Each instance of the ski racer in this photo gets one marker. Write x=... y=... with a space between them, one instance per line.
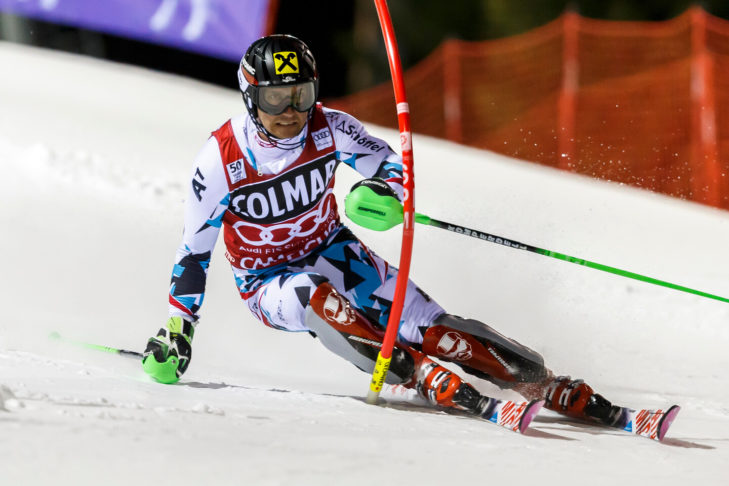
x=266 y=178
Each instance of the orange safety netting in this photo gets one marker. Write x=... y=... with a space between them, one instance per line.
x=641 y=103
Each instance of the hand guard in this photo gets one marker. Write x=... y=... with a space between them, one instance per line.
x=374 y=205
x=168 y=354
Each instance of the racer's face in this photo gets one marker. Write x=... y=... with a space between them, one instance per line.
x=286 y=125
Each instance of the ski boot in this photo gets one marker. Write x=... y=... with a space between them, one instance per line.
x=574 y=398
x=349 y=334
x=444 y=388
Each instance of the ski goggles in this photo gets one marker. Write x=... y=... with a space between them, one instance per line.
x=274 y=100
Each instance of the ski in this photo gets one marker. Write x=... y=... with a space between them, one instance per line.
x=652 y=424
x=515 y=416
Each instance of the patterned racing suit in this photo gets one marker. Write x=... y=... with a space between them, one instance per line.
x=281 y=226
x=292 y=257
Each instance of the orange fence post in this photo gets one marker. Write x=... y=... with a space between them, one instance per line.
x=704 y=150
x=568 y=92
x=452 y=91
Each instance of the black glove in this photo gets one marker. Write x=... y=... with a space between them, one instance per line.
x=379 y=186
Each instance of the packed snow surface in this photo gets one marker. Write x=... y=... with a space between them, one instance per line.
x=95 y=158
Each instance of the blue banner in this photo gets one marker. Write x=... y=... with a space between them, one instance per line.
x=217 y=28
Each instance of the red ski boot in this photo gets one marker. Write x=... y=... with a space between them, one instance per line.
x=444 y=388
x=577 y=399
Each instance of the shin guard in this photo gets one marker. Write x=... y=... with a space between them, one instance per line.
x=347 y=333
x=483 y=352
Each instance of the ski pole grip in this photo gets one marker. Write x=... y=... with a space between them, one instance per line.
x=371 y=210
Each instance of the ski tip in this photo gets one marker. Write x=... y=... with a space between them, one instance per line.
x=667 y=420
x=531 y=411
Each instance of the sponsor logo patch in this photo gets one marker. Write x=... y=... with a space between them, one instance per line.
x=286 y=62
x=247 y=67
x=354 y=134
x=236 y=171
x=291 y=194
x=322 y=138
x=337 y=309
x=453 y=346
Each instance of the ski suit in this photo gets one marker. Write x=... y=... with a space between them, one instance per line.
x=299 y=268
x=281 y=226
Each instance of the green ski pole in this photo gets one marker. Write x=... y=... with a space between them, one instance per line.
x=423 y=219
x=106 y=349
x=379 y=213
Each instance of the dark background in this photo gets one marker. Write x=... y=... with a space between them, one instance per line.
x=345 y=35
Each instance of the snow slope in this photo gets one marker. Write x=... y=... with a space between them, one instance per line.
x=94 y=158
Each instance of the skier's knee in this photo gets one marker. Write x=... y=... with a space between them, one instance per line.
x=333 y=308
x=282 y=302
x=347 y=333
x=483 y=352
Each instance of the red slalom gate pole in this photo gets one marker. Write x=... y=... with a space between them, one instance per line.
x=403 y=119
